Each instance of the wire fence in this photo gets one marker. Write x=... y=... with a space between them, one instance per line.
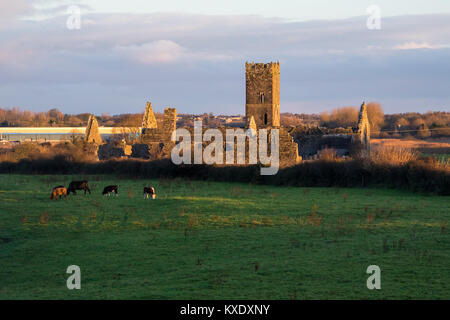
x=410 y=130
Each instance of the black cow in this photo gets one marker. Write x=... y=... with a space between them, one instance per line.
x=78 y=185
x=110 y=189
x=149 y=191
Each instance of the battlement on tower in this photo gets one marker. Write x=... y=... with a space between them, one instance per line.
x=262 y=67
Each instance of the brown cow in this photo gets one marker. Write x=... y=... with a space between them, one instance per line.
x=58 y=191
x=149 y=191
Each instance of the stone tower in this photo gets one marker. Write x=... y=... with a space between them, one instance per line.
x=92 y=134
x=364 y=127
x=263 y=93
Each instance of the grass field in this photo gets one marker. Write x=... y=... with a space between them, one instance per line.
x=206 y=240
x=436 y=147
x=440 y=157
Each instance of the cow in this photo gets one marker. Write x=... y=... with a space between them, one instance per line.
x=110 y=189
x=59 y=191
x=78 y=185
x=149 y=191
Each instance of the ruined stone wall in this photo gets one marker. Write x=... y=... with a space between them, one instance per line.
x=263 y=93
x=109 y=151
x=262 y=111
x=140 y=150
x=149 y=119
x=169 y=123
x=288 y=148
x=152 y=135
x=363 y=131
x=92 y=134
x=311 y=145
x=163 y=134
x=156 y=142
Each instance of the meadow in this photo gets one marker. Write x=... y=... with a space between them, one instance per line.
x=217 y=240
x=430 y=147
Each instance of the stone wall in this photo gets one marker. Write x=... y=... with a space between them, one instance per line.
x=288 y=148
x=311 y=145
x=169 y=123
x=141 y=151
x=363 y=131
x=149 y=119
x=92 y=134
x=164 y=134
x=109 y=151
x=262 y=111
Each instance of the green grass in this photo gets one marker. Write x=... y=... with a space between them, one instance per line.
x=203 y=240
x=440 y=156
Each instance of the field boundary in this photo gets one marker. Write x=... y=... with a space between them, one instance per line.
x=415 y=175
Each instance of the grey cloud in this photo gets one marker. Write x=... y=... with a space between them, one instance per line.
x=11 y=11
x=195 y=62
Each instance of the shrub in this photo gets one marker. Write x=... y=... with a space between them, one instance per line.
x=393 y=155
x=417 y=175
x=68 y=151
x=328 y=154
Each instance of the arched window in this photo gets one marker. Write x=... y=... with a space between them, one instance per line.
x=261 y=98
x=265 y=118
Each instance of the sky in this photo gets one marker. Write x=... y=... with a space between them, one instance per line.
x=191 y=54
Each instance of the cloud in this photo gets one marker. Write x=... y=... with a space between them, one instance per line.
x=161 y=51
x=10 y=11
x=414 y=46
x=134 y=57
x=181 y=38
x=15 y=8
x=165 y=52
x=16 y=57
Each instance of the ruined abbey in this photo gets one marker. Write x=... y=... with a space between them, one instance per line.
x=262 y=111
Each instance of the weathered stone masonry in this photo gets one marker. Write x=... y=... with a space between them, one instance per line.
x=156 y=141
x=262 y=83
x=363 y=131
x=262 y=111
x=92 y=134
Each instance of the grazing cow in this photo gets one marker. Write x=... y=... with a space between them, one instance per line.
x=58 y=191
x=149 y=191
x=110 y=189
x=78 y=185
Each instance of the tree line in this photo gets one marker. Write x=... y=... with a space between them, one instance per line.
x=420 y=125
x=398 y=125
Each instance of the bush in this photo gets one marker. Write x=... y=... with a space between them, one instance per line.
x=393 y=154
x=416 y=175
x=328 y=154
x=78 y=151
x=25 y=150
